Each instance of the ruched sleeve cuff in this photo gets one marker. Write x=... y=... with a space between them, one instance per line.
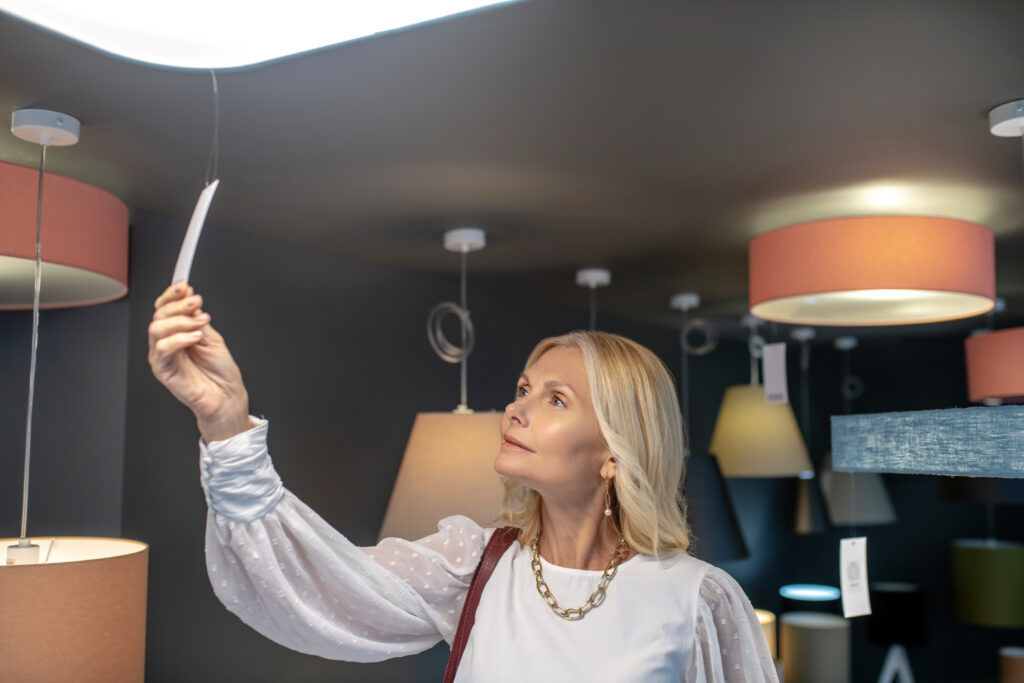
x=238 y=477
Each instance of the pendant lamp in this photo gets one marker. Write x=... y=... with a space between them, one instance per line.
x=711 y=512
x=995 y=366
x=84 y=230
x=73 y=609
x=853 y=498
x=873 y=270
x=448 y=466
x=754 y=438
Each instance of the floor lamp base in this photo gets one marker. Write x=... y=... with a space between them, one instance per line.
x=896 y=665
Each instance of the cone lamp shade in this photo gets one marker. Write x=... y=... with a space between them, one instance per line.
x=855 y=497
x=995 y=366
x=448 y=469
x=754 y=438
x=873 y=270
x=79 y=615
x=84 y=238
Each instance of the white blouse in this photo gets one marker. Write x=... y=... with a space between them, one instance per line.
x=286 y=573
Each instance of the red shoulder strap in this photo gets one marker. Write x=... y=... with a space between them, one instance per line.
x=501 y=539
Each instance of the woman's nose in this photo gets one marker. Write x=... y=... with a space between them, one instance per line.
x=516 y=411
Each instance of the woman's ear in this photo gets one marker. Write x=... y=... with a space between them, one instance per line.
x=609 y=468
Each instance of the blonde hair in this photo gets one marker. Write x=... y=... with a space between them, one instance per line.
x=638 y=413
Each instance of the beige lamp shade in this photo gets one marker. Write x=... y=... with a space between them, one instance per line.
x=768 y=625
x=988 y=582
x=754 y=438
x=78 y=616
x=1011 y=664
x=815 y=647
x=448 y=469
x=873 y=270
x=995 y=366
x=84 y=238
x=855 y=497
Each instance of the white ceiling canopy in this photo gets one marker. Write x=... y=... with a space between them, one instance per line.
x=221 y=34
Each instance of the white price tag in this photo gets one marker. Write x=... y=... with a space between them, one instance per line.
x=774 y=362
x=853 y=576
x=183 y=267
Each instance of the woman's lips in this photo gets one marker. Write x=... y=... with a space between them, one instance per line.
x=511 y=444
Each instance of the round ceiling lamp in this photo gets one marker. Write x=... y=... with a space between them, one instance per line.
x=84 y=230
x=995 y=366
x=873 y=270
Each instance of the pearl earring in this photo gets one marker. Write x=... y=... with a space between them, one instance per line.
x=608 y=498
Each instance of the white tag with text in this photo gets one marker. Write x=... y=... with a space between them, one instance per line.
x=775 y=390
x=853 y=576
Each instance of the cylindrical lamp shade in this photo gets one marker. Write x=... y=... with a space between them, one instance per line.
x=995 y=366
x=988 y=582
x=754 y=438
x=873 y=270
x=769 y=626
x=84 y=237
x=899 y=613
x=711 y=513
x=855 y=497
x=815 y=647
x=448 y=469
x=1011 y=665
x=79 y=616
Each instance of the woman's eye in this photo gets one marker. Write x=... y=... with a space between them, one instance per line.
x=521 y=391
x=557 y=401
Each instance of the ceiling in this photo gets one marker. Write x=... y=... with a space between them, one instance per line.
x=651 y=138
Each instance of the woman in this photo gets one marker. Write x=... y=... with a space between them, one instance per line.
x=598 y=588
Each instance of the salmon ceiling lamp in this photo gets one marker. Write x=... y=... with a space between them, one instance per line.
x=84 y=230
x=995 y=366
x=873 y=270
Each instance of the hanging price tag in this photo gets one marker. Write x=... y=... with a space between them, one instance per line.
x=775 y=390
x=853 y=576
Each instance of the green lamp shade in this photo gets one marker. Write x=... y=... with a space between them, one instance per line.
x=988 y=582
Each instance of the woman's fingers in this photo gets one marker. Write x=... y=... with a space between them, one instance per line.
x=170 y=345
x=164 y=327
x=189 y=305
x=176 y=291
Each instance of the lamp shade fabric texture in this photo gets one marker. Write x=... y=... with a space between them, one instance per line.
x=754 y=438
x=448 y=469
x=80 y=616
x=995 y=365
x=872 y=270
x=711 y=513
x=976 y=442
x=815 y=647
x=84 y=240
x=855 y=497
x=988 y=582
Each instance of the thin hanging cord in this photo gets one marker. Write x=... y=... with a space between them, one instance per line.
x=35 y=342
x=465 y=334
x=593 y=308
x=853 y=477
x=213 y=160
x=684 y=381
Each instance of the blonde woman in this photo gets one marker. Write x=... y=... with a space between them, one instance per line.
x=597 y=586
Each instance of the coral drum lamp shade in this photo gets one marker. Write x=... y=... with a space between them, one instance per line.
x=84 y=238
x=873 y=270
x=995 y=366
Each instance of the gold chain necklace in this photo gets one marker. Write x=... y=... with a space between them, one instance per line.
x=595 y=599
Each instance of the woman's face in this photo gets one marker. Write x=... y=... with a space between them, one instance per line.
x=551 y=441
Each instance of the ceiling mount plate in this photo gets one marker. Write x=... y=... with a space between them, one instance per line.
x=464 y=240
x=684 y=301
x=593 y=277
x=1007 y=120
x=45 y=127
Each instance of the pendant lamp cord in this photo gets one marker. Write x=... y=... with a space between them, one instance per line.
x=853 y=479
x=213 y=160
x=35 y=339
x=593 y=308
x=463 y=301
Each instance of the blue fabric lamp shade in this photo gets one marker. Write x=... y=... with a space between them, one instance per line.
x=976 y=442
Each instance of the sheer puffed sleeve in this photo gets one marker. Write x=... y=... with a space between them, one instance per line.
x=288 y=574
x=729 y=645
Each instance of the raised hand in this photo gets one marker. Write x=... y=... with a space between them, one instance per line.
x=191 y=359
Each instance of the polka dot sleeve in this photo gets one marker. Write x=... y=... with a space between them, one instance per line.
x=729 y=645
x=288 y=574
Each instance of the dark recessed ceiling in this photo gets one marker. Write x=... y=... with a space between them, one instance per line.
x=651 y=138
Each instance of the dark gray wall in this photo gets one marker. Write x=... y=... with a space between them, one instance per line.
x=78 y=421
